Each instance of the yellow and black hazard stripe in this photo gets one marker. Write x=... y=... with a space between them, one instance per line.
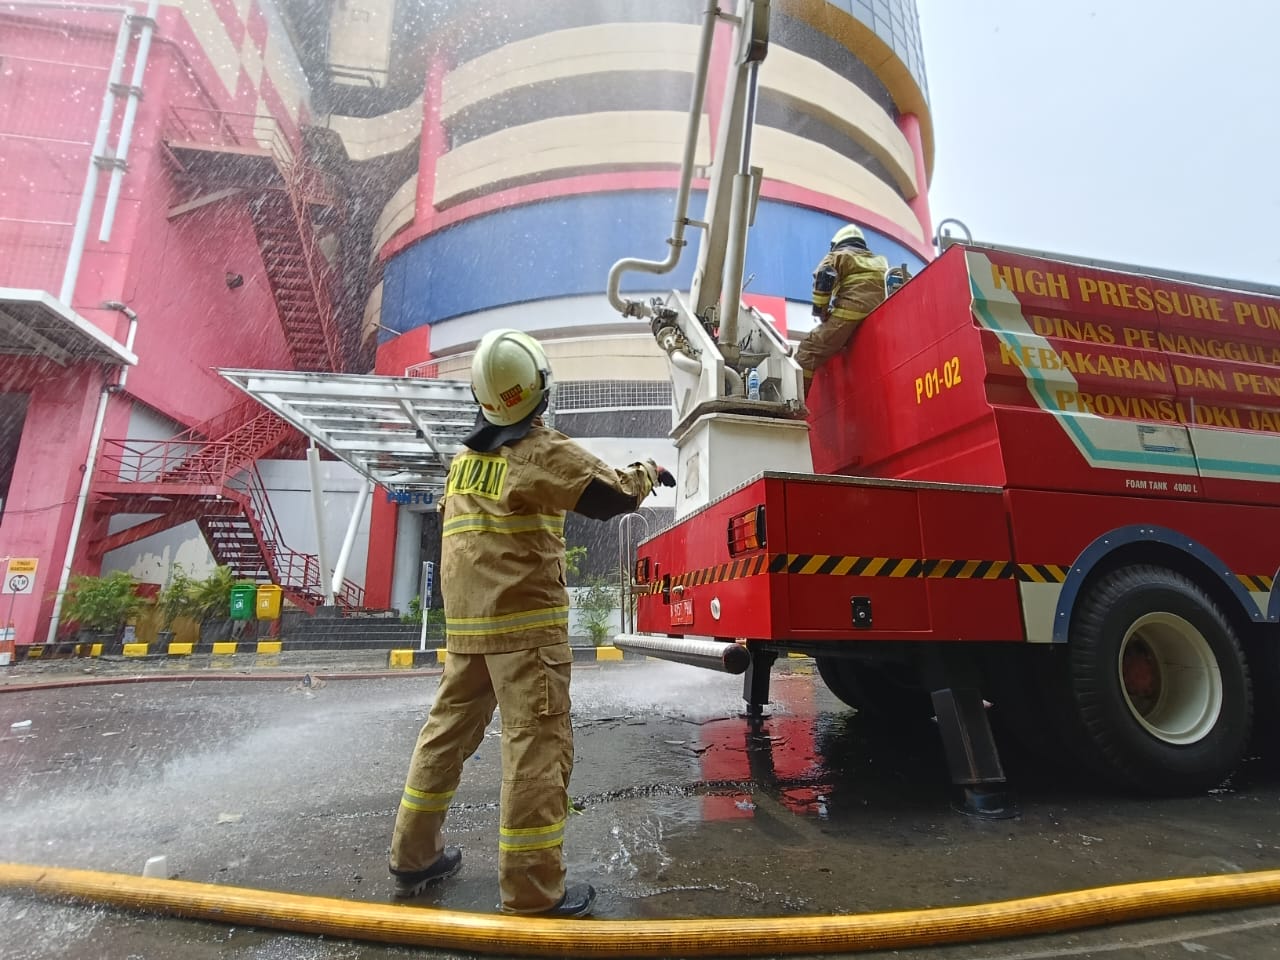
x=735 y=570
x=916 y=568
x=1256 y=583
x=893 y=567
x=1042 y=572
x=838 y=565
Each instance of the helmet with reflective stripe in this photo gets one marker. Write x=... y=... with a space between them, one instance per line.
x=849 y=234
x=510 y=376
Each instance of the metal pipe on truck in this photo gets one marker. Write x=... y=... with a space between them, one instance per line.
x=721 y=655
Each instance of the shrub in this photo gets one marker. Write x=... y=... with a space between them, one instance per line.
x=211 y=597
x=102 y=603
x=175 y=599
x=596 y=604
x=198 y=600
x=573 y=558
x=435 y=616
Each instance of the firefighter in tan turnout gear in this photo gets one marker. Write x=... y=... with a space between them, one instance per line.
x=847 y=285
x=507 y=631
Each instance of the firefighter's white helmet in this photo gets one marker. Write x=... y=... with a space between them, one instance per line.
x=847 y=233
x=510 y=376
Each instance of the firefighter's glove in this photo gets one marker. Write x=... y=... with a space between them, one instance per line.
x=649 y=475
x=654 y=476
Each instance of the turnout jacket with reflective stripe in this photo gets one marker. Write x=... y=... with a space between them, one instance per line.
x=859 y=285
x=502 y=550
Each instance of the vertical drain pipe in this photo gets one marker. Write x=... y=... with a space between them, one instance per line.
x=80 y=232
x=134 y=91
x=90 y=464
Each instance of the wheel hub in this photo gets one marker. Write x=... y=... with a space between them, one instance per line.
x=1141 y=674
x=1170 y=678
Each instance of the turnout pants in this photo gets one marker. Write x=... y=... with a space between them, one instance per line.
x=821 y=344
x=530 y=688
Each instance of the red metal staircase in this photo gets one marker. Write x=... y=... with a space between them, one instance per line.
x=217 y=484
x=245 y=432
x=221 y=155
x=300 y=281
x=209 y=472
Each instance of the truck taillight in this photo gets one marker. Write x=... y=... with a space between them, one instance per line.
x=642 y=570
x=746 y=531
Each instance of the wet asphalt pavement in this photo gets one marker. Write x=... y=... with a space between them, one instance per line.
x=287 y=786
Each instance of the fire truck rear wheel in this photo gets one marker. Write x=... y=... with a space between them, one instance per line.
x=1158 y=683
x=879 y=691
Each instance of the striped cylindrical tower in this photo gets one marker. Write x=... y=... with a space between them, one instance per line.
x=551 y=135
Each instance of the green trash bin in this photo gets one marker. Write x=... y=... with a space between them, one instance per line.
x=243 y=597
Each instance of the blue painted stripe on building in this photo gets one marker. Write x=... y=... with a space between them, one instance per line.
x=565 y=247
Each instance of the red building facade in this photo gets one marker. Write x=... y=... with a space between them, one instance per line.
x=147 y=161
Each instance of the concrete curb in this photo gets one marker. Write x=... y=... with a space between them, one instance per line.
x=153 y=650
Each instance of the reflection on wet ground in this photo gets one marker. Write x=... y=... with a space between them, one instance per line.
x=685 y=811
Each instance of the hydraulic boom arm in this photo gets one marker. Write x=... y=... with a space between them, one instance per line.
x=713 y=340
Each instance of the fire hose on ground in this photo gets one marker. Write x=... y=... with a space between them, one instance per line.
x=532 y=936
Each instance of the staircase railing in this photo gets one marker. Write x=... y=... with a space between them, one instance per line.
x=319 y=273
x=191 y=457
x=176 y=461
x=294 y=570
x=304 y=186
x=180 y=464
x=239 y=414
x=204 y=126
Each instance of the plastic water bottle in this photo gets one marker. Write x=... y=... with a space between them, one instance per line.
x=753 y=384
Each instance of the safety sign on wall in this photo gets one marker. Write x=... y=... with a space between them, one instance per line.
x=20 y=576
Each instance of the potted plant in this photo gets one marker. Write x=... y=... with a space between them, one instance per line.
x=101 y=606
x=211 y=604
x=176 y=600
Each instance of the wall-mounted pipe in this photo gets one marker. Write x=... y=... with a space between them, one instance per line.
x=634 y=308
x=505 y=935
x=90 y=464
x=80 y=231
x=130 y=115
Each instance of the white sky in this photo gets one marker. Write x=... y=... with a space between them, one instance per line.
x=1145 y=131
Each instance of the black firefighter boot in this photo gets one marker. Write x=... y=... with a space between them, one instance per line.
x=410 y=883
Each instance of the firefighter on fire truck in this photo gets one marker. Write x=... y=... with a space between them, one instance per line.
x=507 y=631
x=847 y=285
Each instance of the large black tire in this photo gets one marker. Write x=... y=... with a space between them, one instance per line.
x=1155 y=692
x=881 y=692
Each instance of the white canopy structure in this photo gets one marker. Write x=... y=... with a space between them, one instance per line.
x=398 y=432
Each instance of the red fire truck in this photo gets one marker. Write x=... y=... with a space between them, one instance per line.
x=1048 y=485
x=1056 y=484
